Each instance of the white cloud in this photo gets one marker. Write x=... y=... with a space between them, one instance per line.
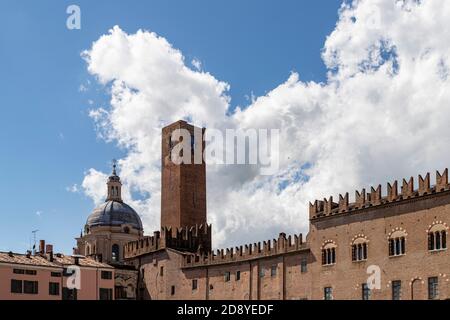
x=73 y=188
x=39 y=213
x=197 y=64
x=94 y=185
x=381 y=115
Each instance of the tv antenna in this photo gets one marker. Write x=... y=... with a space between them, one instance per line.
x=34 y=240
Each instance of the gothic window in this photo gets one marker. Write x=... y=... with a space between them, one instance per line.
x=397 y=243
x=359 y=248
x=437 y=237
x=115 y=252
x=329 y=254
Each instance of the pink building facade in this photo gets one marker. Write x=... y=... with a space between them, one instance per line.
x=47 y=277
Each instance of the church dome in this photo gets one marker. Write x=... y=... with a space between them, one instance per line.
x=114 y=213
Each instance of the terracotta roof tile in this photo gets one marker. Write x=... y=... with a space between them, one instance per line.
x=59 y=260
x=6 y=257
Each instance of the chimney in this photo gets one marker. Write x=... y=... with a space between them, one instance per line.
x=10 y=254
x=28 y=254
x=48 y=248
x=49 y=251
x=42 y=247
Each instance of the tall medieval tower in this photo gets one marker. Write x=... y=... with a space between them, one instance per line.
x=183 y=186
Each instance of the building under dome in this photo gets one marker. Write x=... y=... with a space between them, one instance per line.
x=108 y=228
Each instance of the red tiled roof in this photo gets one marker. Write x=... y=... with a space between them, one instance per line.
x=59 y=260
x=83 y=261
x=31 y=260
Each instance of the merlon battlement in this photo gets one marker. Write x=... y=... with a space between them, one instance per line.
x=192 y=239
x=247 y=252
x=363 y=200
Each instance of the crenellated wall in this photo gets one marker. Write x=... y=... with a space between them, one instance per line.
x=193 y=239
x=247 y=252
x=364 y=199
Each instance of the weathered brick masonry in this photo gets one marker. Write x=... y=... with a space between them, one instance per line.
x=402 y=233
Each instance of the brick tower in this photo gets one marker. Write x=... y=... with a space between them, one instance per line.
x=183 y=186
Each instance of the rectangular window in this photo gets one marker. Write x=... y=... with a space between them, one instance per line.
x=433 y=288
x=273 y=271
x=107 y=275
x=261 y=272
x=56 y=274
x=238 y=275
x=365 y=291
x=69 y=294
x=53 y=288
x=19 y=271
x=30 y=287
x=31 y=272
x=161 y=271
x=328 y=293
x=16 y=286
x=172 y=290
x=194 y=284
x=304 y=265
x=227 y=276
x=106 y=294
x=396 y=290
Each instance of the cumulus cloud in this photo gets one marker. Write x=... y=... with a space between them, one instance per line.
x=381 y=115
x=73 y=188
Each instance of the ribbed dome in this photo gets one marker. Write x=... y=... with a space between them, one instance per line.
x=114 y=213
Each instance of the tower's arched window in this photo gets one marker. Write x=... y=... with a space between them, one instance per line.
x=397 y=242
x=88 y=250
x=359 y=249
x=437 y=237
x=115 y=252
x=329 y=253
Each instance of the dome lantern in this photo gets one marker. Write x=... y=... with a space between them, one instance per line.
x=114 y=185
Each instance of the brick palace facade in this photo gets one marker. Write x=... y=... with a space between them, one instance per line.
x=397 y=238
x=401 y=233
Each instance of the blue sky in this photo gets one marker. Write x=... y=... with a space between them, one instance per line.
x=48 y=140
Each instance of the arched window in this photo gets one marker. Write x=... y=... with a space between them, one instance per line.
x=329 y=253
x=437 y=237
x=88 y=250
x=359 y=248
x=397 y=242
x=115 y=253
x=126 y=230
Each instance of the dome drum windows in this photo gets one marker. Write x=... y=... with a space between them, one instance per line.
x=328 y=253
x=115 y=253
